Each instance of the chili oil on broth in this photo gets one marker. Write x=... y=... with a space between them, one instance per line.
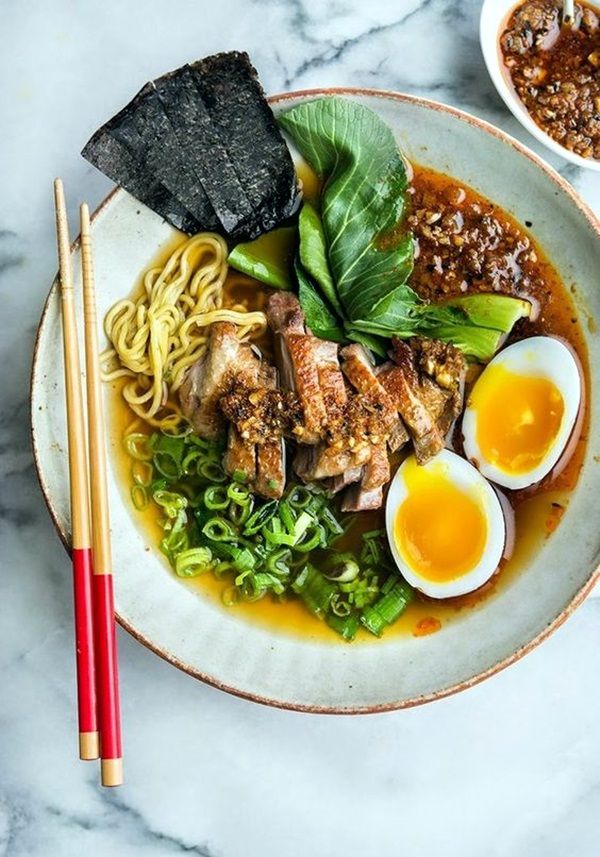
x=537 y=510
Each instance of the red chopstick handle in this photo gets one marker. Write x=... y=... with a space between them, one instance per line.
x=109 y=708
x=84 y=653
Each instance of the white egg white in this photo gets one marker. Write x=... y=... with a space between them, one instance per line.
x=468 y=479
x=540 y=357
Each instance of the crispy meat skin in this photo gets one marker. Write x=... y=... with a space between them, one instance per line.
x=209 y=378
x=298 y=355
x=377 y=469
x=384 y=421
x=240 y=455
x=270 y=456
x=426 y=382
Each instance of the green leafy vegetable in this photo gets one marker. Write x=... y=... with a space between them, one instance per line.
x=319 y=317
x=356 y=256
x=268 y=258
x=313 y=254
x=363 y=201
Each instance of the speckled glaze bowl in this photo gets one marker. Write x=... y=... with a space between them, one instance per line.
x=216 y=645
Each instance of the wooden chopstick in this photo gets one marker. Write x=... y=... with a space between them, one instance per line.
x=106 y=640
x=79 y=490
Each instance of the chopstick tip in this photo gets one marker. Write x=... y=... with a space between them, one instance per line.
x=84 y=215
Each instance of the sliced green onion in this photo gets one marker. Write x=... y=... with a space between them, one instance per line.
x=277 y=562
x=168 y=453
x=239 y=476
x=275 y=534
x=239 y=494
x=346 y=626
x=286 y=516
x=141 y=472
x=299 y=497
x=137 y=445
x=188 y=459
x=139 y=497
x=211 y=471
x=388 y=608
x=340 y=606
x=259 y=518
x=194 y=561
x=315 y=590
x=175 y=542
x=219 y=530
x=170 y=501
x=240 y=512
x=313 y=538
x=331 y=522
x=215 y=497
x=342 y=568
x=230 y=596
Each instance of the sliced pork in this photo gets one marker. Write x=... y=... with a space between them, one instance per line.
x=270 y=451
x=425 y=381
x=299 y=355
x=209 y=378
x=359 y=369
x=240 y=456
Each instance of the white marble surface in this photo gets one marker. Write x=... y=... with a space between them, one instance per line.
x=508 y=769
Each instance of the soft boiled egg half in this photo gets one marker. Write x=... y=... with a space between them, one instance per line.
x=522 y=410
x=445 y=525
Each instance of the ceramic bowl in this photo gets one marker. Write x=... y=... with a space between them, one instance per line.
x=494 y=14
x=215 y=644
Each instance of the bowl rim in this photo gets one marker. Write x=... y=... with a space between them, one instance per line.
x=491 y=55
x=526 y=647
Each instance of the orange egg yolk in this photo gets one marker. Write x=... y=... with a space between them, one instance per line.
x=518 y=418
x=440 y=529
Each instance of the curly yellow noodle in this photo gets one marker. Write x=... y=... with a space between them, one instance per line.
x=156 y=336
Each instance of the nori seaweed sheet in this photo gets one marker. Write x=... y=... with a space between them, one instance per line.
x=206 y=155
x=201 y=147
x=144 y=129
x=235 y=100
x=116 y=162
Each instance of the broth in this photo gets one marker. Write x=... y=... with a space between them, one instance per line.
x=537 y=510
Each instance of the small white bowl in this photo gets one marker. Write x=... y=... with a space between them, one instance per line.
x=494 y=14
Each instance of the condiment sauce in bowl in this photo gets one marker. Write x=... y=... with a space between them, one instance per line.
x=555 y=71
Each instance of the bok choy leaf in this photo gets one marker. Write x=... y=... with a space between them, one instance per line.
x=356 y=254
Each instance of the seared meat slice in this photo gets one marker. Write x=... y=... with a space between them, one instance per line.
x=331 y=380
x=357 y=499
x=331 y=456
x=270 y=457
x=359 y=369
x=260 y=412
x=426 y=383
x=270 y=477
x=398 y=437
x=322 y=462
x=348 y=477
x=377 y=469
x=210 y=376
x=445 y=365
x=369 y=493
x=298 y=354
x=402 y=383
x=240 y=455
x=441 y=361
